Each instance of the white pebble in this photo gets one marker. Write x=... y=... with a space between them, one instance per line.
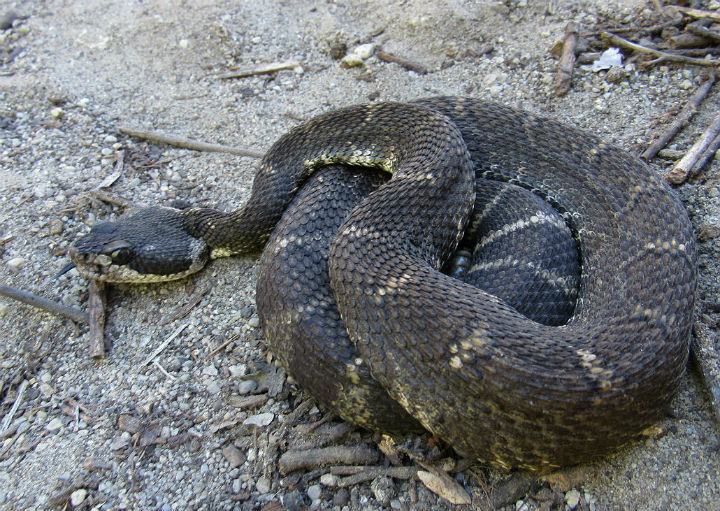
x=263 y=485
x=16 y=263
x=261 y=419
x=365 y=51
x=54 y=425
x=210 y=370
x=572 y=498
x=329 y=479
x=314 y=492
x=78 y=497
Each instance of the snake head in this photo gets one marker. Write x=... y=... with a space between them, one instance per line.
x=149 y=245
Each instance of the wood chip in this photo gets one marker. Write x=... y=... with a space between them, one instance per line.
x=234 y=456
x=404 y=62
x=260 y=70
x=444 y=486
x=566 y=67
x=679 y=173
x=129 y=423
x=96 y=308
x=243 y=402
x=294 y=460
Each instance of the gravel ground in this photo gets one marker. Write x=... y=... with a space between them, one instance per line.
x=205 y=428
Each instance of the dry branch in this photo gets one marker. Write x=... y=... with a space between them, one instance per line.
x=681 y=120
x=183 y=311
x=260 y=70
x=13 y=409
x=76 y=315
x=186 y=143
x=679 y=173
x=370 y=473
x=164 y=344
x=294 y=460
x=708 y=155
x=563 y=79
x=616 y=40
x=404 y=62
x=703 y=32
x=96 y=308
x=699 y=13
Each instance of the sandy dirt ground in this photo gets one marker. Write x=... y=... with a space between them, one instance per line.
x=205 y=428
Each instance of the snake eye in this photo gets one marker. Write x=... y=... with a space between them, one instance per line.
x=120 y=256
x=119 y=251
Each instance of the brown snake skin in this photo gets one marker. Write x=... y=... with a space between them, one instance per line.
x=472 y=370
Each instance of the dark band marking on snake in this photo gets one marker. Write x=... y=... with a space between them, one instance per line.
x=469 y=367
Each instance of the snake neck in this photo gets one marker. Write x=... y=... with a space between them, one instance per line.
x=240 y=232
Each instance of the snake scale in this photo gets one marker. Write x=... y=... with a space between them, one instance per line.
x=416 y=346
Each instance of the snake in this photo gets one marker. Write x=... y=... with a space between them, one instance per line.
x=363 y=317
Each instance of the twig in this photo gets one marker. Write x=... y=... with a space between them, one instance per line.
x=223 y=345
x=369 y=473
x=615 y=40
x=76 y=315
x=707 y=155
x=162 y=370
x=679 y=173
x=164 y=344
x=670 y=154
x=9 y=417
x=703 y=32
x=699 y=13
x=563 y=78
x=111 y=198
x=6 y=239
x=681 y=120
x=186 y=143
x=406 y=63
x=294 y=460
x=260 y=70
x=96 y=308
x=183 y=311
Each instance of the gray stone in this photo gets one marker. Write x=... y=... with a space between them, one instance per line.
x=314 y=492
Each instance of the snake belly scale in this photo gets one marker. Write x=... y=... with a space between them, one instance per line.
x=464 y=364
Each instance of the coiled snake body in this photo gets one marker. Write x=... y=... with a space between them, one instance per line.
x=461 y=362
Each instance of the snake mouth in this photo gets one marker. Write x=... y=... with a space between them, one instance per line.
x=104 y=268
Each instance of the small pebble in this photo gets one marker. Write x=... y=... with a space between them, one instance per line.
x=365 y=51
x=261 y=419
x=247 y=387
x=572 y=498
x=254 y=322
x=57 y=112
x=210 y=370
x=233 y=455
x=329 y=479
x=314 y=492
x=351 y=60
x=341 y=498
x=78 y=497
x=213 y=387
x=16 y=263
x=263 y=485
x=54 y=425
x=384 y=489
